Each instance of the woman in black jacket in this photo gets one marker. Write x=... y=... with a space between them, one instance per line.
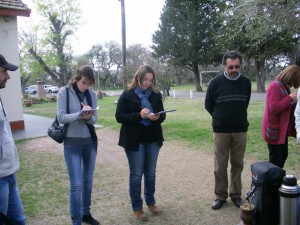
x=141 y=136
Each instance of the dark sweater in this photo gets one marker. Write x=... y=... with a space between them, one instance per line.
x=128 y=114
x=227 y=102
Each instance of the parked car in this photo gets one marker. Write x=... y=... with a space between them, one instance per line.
x=32 y=89
x=50 y=88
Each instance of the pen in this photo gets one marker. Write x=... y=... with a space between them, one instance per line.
x=145 y=108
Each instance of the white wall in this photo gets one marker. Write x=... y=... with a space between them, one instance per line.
x=11 y=95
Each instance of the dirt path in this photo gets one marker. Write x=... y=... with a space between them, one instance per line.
x=184 y=187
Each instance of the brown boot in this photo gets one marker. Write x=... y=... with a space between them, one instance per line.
x=154 y=209
x=140 y=215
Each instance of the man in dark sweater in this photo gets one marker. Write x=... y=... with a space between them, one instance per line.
x=227 y=100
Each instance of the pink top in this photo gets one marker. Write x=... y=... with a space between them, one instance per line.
x=278 y=120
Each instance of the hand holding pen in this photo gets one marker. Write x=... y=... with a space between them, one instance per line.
x=147 y=114
x=87 y=115
x=144 y=112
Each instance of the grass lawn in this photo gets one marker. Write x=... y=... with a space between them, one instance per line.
x=190 y=124
x=43 y=181
x=191 y=86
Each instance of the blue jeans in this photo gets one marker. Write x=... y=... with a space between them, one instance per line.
x=80 y=160
x=142 y=162
x=10 y=202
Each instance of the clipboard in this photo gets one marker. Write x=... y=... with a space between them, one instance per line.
x=165 y=111
x=88 y=110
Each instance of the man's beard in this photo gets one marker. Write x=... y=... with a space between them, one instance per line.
x=233 y=74
x=3 y=84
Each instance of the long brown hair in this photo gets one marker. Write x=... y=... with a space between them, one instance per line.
x=140 y=75
x=290 y=76
x=84 y=71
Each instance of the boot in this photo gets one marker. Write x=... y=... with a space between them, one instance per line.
x=154 y=209
x=140 y=215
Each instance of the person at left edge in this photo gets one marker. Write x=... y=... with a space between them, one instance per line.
x=80 y=145
x=141 y=136
x=10 y=202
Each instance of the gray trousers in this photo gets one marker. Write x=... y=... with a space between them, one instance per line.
x=229 y=146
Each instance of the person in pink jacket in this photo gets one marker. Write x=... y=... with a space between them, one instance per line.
x=278 y=121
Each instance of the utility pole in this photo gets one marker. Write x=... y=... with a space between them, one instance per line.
x=123 y=44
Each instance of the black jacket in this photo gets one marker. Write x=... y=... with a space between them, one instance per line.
x=128 y=114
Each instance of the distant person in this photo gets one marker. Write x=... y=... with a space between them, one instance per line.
x=11 y=207
x=278 y=121
x=167 y=88
x=227 y=101
x=141 y=136
x=80 y=145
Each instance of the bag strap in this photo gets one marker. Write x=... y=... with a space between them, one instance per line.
x=68 y=107
x=251 y=193
x=67 y=96
x=2 y=107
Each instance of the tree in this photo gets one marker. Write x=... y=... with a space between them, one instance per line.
x=137 y=55
x=262 y=30
x=48 y=41
x=298 y=57
x=185 y=35
x=29 y=67
x=107 y=62
x=166 y=75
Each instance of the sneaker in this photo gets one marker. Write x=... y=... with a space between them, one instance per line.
x=89 y=220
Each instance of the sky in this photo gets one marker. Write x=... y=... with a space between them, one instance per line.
x=101 y=22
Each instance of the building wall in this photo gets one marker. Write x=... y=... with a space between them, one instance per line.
x=11 y=95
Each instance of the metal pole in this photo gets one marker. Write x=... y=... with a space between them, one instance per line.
x=123 y=44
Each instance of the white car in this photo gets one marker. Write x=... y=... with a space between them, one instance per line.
x=50 y=88
x=32 y=89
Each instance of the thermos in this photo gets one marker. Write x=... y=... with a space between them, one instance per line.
x=289 y=193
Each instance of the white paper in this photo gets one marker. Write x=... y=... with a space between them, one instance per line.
x=88 y=110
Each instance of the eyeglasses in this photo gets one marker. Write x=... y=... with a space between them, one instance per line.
x=232 y=67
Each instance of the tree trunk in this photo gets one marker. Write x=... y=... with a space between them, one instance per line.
x=260 y=75
x=197 y=78
x=24 y=81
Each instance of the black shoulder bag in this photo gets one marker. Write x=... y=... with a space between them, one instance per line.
x=56 y=131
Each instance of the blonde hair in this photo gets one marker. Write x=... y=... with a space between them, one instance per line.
x=290 y=76
x=140 y=75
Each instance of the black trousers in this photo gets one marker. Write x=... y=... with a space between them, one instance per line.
x=278 y=153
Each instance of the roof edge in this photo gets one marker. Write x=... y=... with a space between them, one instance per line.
x=15 y=12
